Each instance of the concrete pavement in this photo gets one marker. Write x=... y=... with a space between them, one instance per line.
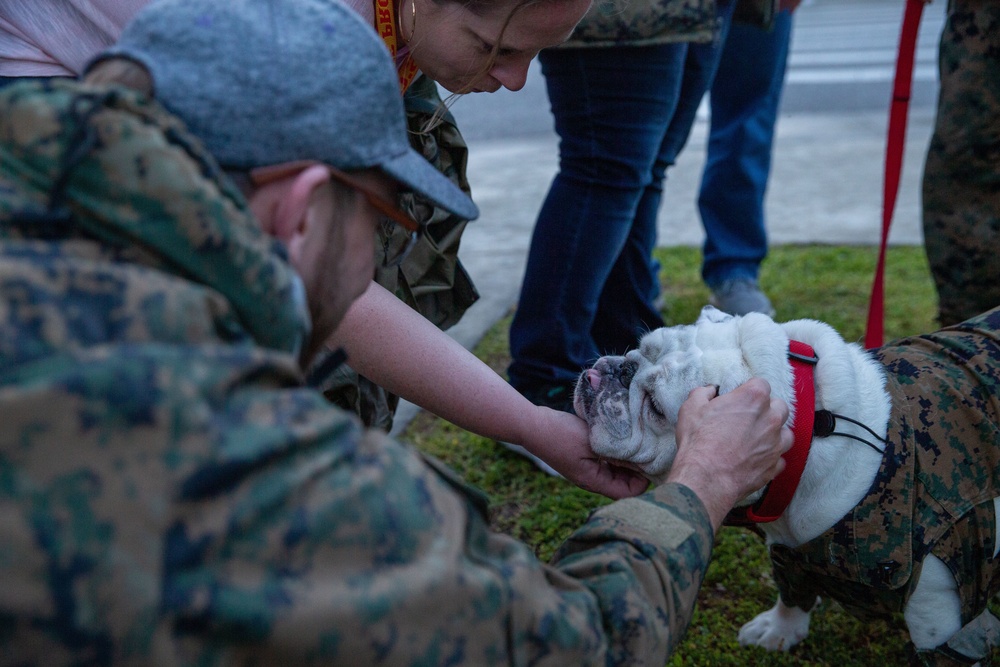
x=826 y=187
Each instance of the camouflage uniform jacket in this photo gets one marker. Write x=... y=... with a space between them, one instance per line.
x=171 y=494
x=935 y=488
x=432 y=279
x=647 y=22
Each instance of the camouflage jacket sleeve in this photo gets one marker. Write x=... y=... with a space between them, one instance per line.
x=642 y=560
x=386 y=558
x=295 y=537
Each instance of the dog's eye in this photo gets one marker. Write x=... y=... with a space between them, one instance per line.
x=655 y=408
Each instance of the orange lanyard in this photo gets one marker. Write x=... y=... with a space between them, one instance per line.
x=385 y=25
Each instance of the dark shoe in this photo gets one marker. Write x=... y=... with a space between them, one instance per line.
x=741 y=296
x=556 y=396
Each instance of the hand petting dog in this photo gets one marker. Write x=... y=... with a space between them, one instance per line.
x=713 y=432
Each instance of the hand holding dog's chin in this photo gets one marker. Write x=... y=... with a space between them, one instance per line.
x=563 y=441
x=729 y=446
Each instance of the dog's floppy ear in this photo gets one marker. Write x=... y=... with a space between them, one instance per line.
x=712 y=314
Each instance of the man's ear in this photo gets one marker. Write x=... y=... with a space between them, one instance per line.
x=291 y=211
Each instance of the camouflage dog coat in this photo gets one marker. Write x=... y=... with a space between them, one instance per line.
x=934 y=490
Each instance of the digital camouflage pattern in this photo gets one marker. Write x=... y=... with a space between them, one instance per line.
x=961 y=183
x=171 y=493
x=934 y=491
x=431 y=280
x=646 y=22
x=51 y=170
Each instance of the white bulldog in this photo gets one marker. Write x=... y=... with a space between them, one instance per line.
x=632 y=402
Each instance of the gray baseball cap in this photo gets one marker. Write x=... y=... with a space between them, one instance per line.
x=262 y=82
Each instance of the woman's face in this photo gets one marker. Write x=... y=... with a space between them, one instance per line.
x=452 y=45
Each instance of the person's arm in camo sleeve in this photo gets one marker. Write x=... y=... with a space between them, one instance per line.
x=727 y=447
x=378 y=556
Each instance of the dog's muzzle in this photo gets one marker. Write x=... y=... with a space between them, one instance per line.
x=624 y=371
x=608 y=378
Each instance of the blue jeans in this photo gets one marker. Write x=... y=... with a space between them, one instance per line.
x=8 y=80
x=744 y=106
x=590 y=285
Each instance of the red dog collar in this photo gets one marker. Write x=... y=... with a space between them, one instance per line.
x=779 y=492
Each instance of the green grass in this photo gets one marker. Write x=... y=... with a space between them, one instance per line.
x=829 y=283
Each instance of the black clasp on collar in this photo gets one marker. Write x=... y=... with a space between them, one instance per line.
x=806 y=359
x=823 y=423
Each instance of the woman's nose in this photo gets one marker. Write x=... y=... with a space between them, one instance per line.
x=511 y=76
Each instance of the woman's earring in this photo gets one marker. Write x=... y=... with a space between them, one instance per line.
x=413 y=22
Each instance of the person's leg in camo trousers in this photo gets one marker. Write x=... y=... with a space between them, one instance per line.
x=961 y=183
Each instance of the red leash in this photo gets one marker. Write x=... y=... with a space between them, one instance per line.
x=893 y=162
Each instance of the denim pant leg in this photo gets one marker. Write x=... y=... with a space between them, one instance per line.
x=744 y=106
x=611 y=108
x=8 y=80
x=620 y=322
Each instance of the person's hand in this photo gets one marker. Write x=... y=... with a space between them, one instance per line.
x=729 y=446
x=563 y=441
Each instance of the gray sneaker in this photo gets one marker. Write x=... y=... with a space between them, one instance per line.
x=741 y=296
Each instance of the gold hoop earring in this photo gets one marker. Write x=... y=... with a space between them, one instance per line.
x=413 y=23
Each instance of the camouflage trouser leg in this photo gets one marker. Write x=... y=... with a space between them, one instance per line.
x=961 y=183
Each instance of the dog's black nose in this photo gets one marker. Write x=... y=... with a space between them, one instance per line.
x=624 y=372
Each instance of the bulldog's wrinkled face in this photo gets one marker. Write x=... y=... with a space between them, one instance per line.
x=631 y=402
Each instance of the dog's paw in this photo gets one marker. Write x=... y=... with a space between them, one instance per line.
x=777 y=629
